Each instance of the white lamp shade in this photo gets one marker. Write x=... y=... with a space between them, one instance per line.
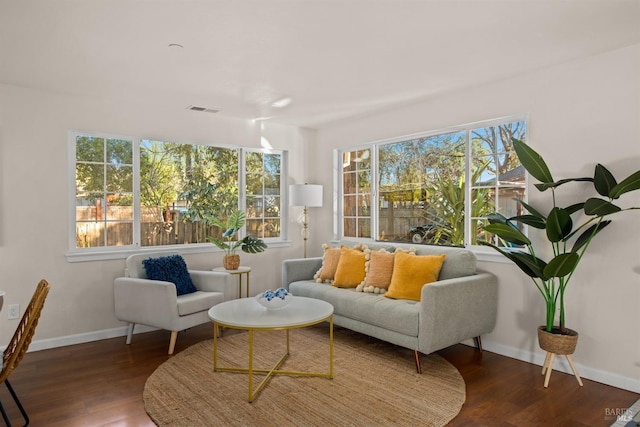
x=309 y=195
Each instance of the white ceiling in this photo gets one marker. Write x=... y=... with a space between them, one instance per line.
x=335 y=59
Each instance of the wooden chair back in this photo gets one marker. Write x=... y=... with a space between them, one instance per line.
x=19 y=344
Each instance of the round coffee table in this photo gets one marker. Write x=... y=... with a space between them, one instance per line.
x=247 y=314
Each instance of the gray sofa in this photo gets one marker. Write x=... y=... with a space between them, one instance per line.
x=461 y=305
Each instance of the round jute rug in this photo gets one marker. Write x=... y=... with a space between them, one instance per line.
x=374 y=384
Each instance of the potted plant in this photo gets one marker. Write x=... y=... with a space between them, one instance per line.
x=552 y=277
x=229 y=244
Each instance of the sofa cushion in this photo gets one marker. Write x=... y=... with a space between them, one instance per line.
x=401 y=316
x=411 y=272
x=198 y=301
x=170 y=269
x=350 y=271
x=330 y=260
x=378 y=270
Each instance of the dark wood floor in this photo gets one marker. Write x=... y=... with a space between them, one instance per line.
x=101 y=383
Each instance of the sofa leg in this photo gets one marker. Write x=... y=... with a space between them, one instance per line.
x=416 y=354
x=478 y=342
x=172 y=342
x=130 y=332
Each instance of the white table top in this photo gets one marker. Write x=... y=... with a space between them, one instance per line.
x=248 y=313
x=241 y=269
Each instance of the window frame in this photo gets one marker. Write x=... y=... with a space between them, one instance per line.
x=79 y=254
x=482 y=252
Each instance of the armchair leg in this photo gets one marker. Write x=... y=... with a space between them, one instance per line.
x=478 y=342
x=172 y=343
x=130 y=332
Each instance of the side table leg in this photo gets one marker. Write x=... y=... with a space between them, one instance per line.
x=248 y=284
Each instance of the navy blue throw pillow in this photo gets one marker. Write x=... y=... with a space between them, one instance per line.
x=170 y=269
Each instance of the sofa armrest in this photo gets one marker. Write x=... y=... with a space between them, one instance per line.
x=294 y=270
x=145 y=301
x=215 y=281
x=458 y=309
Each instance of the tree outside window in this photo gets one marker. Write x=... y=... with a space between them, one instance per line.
x=179 y=190
x=435 y=189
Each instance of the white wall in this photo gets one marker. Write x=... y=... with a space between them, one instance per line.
x=34 y=194
x=580 y=113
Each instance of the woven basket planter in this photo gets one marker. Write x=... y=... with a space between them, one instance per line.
x=231 y=262
x=557 y=343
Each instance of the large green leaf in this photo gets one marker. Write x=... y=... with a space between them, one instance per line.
x=532 y=161
x=523 y=260
x=559 y=224
x=546 y=185
x=562 y=265
x=526 y=261
x=588 y=234
x=630 y=183
x=531 y=209
x=603 y=180
x=253 y=245
x=599 y=207
x=531 y=220
x=508 y=233
x=574 y=208
x=497 y=218
x=236 y=220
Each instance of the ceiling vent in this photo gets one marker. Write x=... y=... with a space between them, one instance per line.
x=202 y=109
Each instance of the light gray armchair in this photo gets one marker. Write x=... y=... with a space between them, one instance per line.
x=139 y=300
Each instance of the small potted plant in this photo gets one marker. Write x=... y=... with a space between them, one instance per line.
x=230 y=244
x=552 y=277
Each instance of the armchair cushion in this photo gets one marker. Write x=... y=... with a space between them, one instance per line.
x=170 y=269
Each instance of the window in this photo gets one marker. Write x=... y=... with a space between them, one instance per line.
x=131 y=192
x=433 y=188
x=263 y=193
x=356 y=185
x=103 y=191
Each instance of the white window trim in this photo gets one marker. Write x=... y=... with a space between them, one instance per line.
x=75 y=254
x=482 y=253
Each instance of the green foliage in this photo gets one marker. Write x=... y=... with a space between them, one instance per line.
x=228 y=243
x=551 y=278
x=446 y=201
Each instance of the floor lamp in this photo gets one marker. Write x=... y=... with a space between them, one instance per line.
x=308 y=196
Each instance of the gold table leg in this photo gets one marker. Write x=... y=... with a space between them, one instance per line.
x=275 y=370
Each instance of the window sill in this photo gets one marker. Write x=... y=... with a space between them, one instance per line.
x=111 y=254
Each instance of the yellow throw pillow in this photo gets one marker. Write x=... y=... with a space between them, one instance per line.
x=411 y=272
x=329 y=264
x=350 y=271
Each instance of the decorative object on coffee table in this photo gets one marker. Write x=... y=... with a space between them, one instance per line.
x=551 y=278
x=274 y=300
x=249 y=244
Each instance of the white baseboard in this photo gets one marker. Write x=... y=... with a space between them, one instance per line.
x=562 y=365
x=104 y=334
